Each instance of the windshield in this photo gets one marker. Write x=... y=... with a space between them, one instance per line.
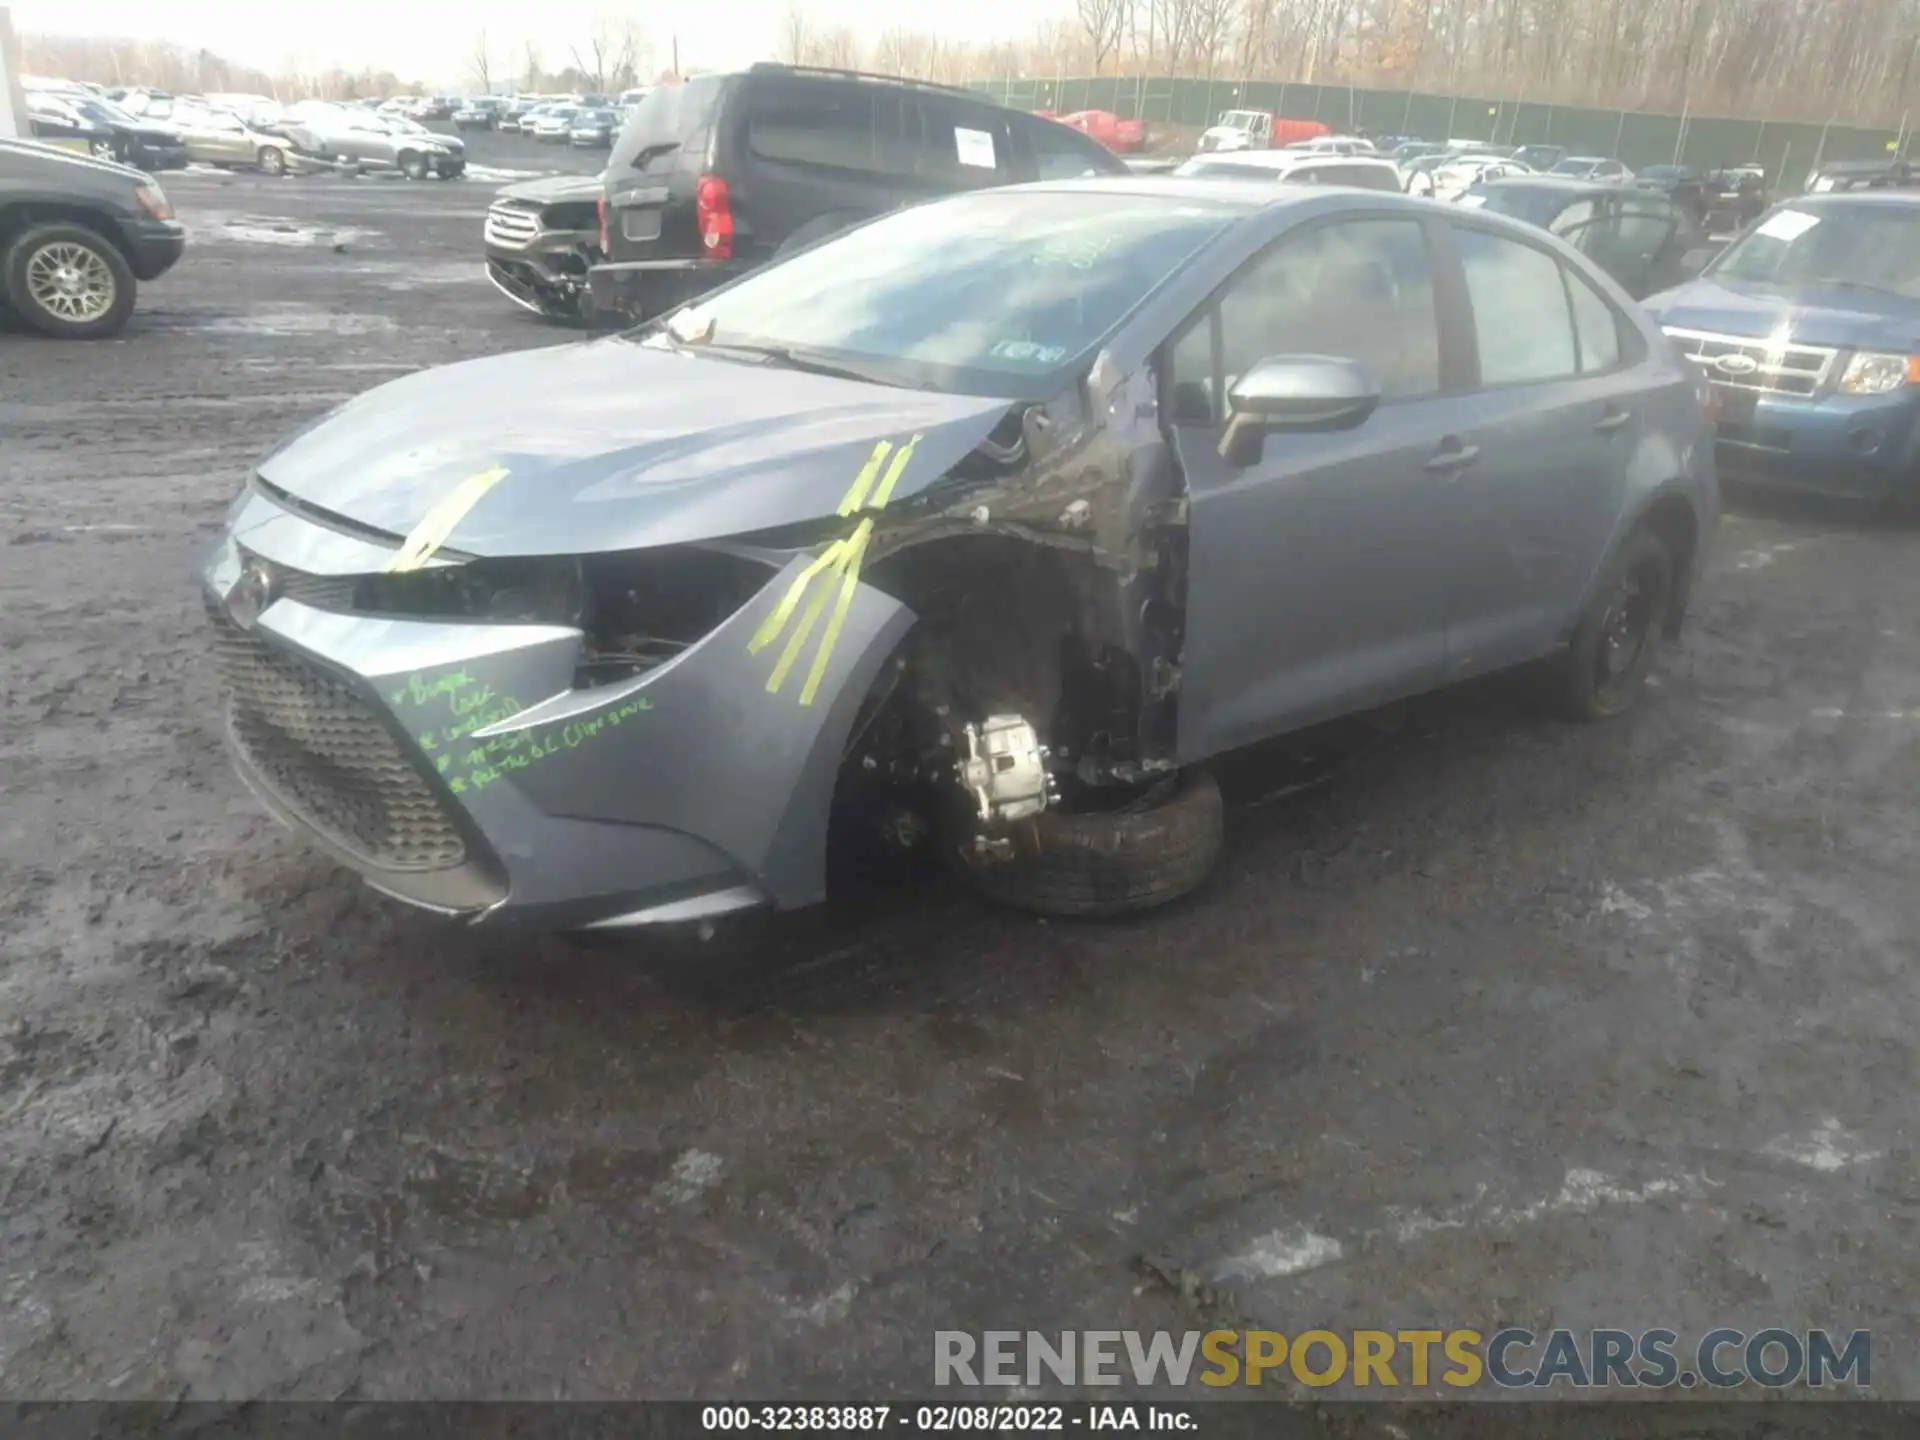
x=103 y=113
x=594 y=117
x=1868 y=246
x=988 y=293
x=1241 y=119
x=1522 y=202
x=1576 y=167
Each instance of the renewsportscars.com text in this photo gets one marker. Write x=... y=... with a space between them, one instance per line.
x=1511 y=1358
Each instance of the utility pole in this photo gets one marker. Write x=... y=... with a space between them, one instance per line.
x=676 y=56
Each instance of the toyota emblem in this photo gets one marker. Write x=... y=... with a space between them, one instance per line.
x=252 y=593
x=1736 y=364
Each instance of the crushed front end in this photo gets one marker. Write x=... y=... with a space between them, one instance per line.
x=570 y=742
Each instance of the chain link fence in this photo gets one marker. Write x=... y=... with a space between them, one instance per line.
x=1787 y=149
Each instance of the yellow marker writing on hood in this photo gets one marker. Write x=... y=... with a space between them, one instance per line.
x=438 y=523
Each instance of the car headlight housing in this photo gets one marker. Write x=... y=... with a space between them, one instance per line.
x=1872 y=373
x=153 y=200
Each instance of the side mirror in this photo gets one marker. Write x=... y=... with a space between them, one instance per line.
x=1299 y=393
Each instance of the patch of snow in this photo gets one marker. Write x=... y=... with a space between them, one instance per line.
x=1829 y=1148
x=1283 y=1252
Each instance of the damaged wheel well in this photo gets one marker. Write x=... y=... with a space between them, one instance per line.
x=1008 y=626
x=1673 y=520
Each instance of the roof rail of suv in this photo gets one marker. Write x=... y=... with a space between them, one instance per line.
x=764 y=66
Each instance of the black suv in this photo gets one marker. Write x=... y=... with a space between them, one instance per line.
x=76 y=238
x=715 y=176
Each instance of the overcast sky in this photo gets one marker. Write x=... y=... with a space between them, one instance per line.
x=432 y=42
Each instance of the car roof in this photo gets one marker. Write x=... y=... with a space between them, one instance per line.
x=1569 y=185
x=1287 y=159
x=1834 y=199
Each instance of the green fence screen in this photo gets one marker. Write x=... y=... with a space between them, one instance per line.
x=1787 y=149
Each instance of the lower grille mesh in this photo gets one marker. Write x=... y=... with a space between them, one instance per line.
x=325 y=752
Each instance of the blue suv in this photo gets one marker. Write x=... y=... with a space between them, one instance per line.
x=1808 y=327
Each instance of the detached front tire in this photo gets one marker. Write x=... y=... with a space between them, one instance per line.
x=1115 y=862
x=1605 y=666
x=68 y=282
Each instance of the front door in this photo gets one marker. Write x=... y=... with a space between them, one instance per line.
x=1321 y=576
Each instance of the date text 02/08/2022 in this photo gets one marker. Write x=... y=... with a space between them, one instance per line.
x=941 y=1419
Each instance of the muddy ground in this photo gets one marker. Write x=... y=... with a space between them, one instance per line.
x=1486 y=1019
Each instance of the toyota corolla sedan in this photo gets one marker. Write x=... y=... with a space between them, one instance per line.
x=1081 y=486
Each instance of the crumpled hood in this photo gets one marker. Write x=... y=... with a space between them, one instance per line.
x=1837 y=316
x=609 y=445
x=1225 y=137
x=551 y=188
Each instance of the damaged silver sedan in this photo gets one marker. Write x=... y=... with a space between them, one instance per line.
x=1008 y=512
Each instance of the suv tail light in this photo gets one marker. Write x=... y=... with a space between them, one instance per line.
x=713 y=208
x=605 y=248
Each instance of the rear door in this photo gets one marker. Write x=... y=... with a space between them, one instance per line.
x=1321 y=576
x=1554 y=410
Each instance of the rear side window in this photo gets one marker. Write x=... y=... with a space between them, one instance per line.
x=1060 y=153
x=963 y=146
x=825 y=127
x=1595 y=326
x=669 y=119
x=1521 y=317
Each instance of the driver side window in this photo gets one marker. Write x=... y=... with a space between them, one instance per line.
x=1359 y=289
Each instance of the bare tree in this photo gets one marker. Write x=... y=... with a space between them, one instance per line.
x=837 y=48
x=1104 y=21
x=796 y=32
x=530 y=63
x=612 y=53
x=481 y=63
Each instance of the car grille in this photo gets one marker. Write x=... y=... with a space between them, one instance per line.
x=327 y=753
x=511 y=225
x=1741 y=362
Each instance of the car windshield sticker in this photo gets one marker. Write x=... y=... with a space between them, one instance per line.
x=975 y=147
x=1079 y=252
x=1027 y=350
x=1788 y=225
x=841 y=559
x=439 y=522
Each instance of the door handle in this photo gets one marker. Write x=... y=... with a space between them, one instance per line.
x=1454 y=457
x=1613 y=420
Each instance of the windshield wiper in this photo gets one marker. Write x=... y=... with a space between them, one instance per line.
x=788 y=358
x=1860 y=285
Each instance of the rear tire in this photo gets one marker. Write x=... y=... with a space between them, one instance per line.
x=1606 y=664
x=1117 y=862
x=34 y=279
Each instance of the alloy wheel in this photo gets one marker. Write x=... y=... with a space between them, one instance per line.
x=70 y=281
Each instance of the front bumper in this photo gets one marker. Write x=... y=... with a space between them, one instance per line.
x=455 y=765
x=153 y=247
x=642 y=289
x=1863 y=447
